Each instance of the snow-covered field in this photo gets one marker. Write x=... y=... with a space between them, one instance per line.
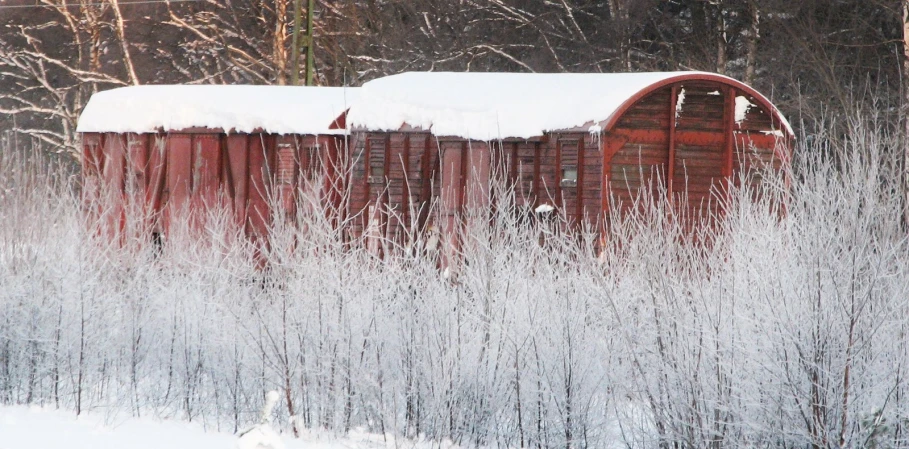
x=45 y=428
x=35 y=427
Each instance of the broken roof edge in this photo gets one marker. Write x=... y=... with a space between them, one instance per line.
x=302 y=110
x=778 y=117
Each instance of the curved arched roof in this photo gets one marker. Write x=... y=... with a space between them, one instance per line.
x=490 y=106
x=235 y=108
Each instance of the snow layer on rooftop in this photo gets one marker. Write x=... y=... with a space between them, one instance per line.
x=489 y=106
x=274 y=109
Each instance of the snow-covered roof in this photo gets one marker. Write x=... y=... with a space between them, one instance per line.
x=488 y=106
x=273 y=109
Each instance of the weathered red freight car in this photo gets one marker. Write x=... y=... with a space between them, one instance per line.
x=181 y=149
x=576 y=143
x=571 y=142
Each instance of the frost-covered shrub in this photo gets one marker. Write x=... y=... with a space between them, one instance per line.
x=783 y=323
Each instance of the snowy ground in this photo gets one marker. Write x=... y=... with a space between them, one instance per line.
x=39 y=428
x=44 y=428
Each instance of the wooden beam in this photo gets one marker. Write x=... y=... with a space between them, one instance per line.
x=673 y=107
x=425 y=181
x=385 y=213
x=137 y=153
x=226 y=173
x=158 y=182
x=332 y=175
x=536 y=173
x=406 y=212
x=579 y=207
x=462 y=183
x=514 y=166
x=367 y=168
x=258 y=216
x=661 y=137
x=238 y=146
x=558 y=170
x=206 y=164
x=179 y=174
x=728 y=138
x=611 y=144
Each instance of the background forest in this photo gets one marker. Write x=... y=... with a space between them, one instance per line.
x=812 y=57
x=783 y=324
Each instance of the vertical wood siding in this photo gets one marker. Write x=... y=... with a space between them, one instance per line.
x=681 y=137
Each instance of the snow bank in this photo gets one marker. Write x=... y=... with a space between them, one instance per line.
x=44 y=428
x=489 y=106
x=544 y=208
x=40 y=428
x=260 y=437
x=34 y=427
x=274 y=109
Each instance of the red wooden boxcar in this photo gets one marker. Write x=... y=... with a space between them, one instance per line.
x=180 y=149
x=573 y=142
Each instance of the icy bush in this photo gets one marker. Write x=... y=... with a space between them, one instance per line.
x=783 y=323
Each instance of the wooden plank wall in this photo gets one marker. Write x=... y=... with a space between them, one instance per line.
x=394 y=178
x=757 y=144
x=189 y=172
x=579 y=199
x=523 y=161
x=684 y=138
x=641 y=161
x=700 y=166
